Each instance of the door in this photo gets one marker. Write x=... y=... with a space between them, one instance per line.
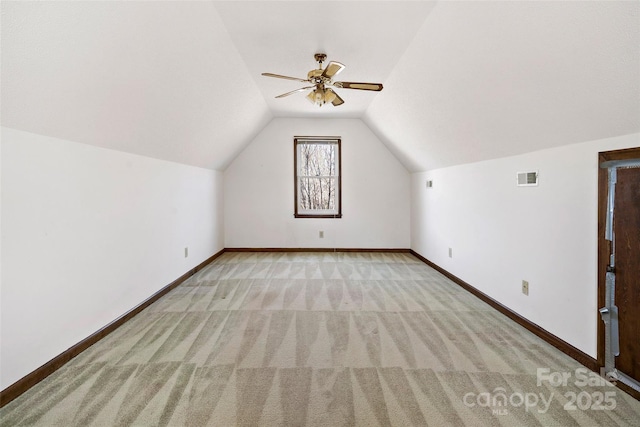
x=619 y=267
x=626 y=227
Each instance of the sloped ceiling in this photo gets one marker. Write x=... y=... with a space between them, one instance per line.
x=487 y=79
x=157 y=78
x=464 y=81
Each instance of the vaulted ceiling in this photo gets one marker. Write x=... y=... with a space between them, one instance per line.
x=463 y=81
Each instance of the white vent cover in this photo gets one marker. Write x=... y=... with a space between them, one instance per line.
x=527 y=179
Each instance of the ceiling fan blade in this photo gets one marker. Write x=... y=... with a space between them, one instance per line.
x=294 y=91
x=332 y=69
x=278 y=76
x=337 y=100
x=362 y=86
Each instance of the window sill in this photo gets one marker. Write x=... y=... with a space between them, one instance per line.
x=318 y=216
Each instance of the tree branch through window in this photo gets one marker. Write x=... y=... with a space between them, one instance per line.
x=317 y=177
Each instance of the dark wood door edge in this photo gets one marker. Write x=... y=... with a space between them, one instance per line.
x=604 y=246
x=558 y=343
x=34 y=377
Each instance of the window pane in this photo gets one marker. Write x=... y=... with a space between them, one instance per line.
x=317 y=193
x=317 y=159
x=317 y=170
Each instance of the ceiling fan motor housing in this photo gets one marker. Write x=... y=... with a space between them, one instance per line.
x=315 y=76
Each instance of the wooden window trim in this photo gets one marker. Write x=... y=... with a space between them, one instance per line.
x=295 y=175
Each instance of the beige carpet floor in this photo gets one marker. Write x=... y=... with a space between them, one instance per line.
x=322 y=339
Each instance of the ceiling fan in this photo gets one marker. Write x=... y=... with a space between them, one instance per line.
x=322 y=78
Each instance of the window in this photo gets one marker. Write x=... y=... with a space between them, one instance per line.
x=317 y=177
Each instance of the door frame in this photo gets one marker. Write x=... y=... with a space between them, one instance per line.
x=604 y=246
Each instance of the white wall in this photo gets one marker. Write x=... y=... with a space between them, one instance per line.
x=87 y=234
x=259 y=189
x=501 y=234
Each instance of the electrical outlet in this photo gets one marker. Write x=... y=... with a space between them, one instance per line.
x=450 y=253
x=525 y=287
x=321 y=234
x=186 y=252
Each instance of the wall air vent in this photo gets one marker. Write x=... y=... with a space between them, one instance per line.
x=527 y=179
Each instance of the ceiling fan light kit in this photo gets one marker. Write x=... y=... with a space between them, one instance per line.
x=321 y=96
x=321 y=78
